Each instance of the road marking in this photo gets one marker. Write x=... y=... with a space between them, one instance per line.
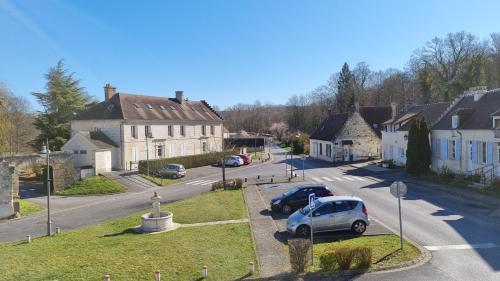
x=208 y=182
x=348 y=178
x=337 y=178
x=317 y=179
x=195 y=182
x=327 y=178
x=359 y=178
x=461 y=247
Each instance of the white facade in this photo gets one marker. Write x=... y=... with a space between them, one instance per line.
x=394 y=145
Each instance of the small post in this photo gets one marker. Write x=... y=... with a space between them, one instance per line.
x=28 y=238
x=258 y=177
x=400 y=223
x=58 y=230
x=246 y=179
x=204 y=271
x=272 y=179
x=107 y=277
x=289 y=179
x=251 y=267
x=157 y=275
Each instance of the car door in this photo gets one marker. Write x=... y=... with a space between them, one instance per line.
x=342 y=213
x=298 y=199
x=323 y=217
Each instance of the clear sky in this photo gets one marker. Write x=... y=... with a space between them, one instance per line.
x=223 y=51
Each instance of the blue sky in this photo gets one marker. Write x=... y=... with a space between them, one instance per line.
x=223 y=51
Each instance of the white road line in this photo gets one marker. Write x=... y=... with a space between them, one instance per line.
x=327 y=178
x=337 y=178
x=195 y=182
x=317 y=179
x=348 y=178
x=461 y=247
x=359 y=178
x=208 y=183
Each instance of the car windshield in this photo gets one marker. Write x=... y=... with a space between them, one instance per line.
x=291 y=191
x=306 y=209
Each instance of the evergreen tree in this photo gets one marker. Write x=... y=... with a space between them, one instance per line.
x=425 y=147
x=63 y=99
x=412 y=150
x=345 y=98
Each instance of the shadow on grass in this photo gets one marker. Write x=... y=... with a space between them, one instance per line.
x=388 y=256
x=126 y=231
x=319 y=238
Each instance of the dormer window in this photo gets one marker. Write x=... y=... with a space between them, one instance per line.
x=455 y=121
x=149 y=106
x=137 y=105
x=162 y=107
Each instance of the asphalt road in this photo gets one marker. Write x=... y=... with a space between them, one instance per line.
x=463 y=239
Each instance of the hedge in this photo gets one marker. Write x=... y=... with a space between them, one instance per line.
x=191 y=161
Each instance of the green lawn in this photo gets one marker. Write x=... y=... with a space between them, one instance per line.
x=385 y=250
x=97 y=185
x=28 y=208
x=111 y=248
x=161 y=181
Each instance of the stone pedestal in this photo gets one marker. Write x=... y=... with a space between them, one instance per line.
x=6 y=192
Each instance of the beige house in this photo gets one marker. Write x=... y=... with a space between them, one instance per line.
x=350 y=136
x=466 y=139
x=145 y=127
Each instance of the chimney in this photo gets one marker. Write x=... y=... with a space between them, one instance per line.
x=179 y=96
x=356 y=107
x=109 y=91
x=394 y=109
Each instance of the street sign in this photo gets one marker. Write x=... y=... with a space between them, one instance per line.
x=398 y=189
x=303 y=157
x=312 y=198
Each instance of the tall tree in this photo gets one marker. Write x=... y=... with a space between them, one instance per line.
x=418 y=153
x=63 y=99
x=425 y=146
x=345 y=90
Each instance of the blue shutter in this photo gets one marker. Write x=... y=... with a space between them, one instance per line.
x=458 y=149
x=474 y=152
x=438 y=146
x=489 y=153
x=444 y=149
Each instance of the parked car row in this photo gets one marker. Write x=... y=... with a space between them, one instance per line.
x=236 y=160
x=331 y=213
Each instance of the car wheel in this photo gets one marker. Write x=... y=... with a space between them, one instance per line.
x=286 y=209
x=303 y=231
x=359 y=227
x=235 y=165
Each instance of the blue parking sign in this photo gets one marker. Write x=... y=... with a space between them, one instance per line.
x=312 y=198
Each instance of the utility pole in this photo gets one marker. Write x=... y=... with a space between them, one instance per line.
x=47 y=157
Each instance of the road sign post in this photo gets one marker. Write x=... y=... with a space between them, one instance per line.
x=303 y=173
x=398 y=189
x=312 y=205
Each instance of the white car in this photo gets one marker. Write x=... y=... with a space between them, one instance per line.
x=234 y=160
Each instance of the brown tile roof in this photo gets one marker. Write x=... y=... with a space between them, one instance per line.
x=474 y=115
x=373 y=115
x=99 y=139
x=429 y=112
x=139 y=107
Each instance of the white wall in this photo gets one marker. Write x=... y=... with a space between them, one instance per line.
x=77 y=145
x=393 y=144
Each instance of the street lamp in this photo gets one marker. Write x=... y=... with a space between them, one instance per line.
x=46 y=150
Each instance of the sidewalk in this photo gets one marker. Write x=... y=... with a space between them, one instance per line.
x=272 y=254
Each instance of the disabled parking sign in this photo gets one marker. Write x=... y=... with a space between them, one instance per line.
x=312 y=198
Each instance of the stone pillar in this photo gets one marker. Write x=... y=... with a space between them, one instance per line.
x=6 y=191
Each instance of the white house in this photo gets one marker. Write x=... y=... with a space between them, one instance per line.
x=466 y=139
x=395 y=132
x=350 y=136
x=140 y=127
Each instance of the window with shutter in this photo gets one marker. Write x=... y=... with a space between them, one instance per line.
x=489 y=153
x=458 y=149
x=474 y=152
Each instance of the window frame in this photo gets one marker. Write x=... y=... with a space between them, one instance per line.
x=203 y=130
x=183 y=131
x=148 y=131
x=212 y=130
x=484 y=152
x=133 y=131
x=170 y=130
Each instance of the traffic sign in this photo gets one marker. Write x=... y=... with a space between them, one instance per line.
x=312 y=198
x=398 y=189
x=303 y=157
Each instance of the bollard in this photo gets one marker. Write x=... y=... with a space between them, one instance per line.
x=204 y=271
x=58 y=230
x=295 y=175
x=258 y=177
x=246 y=179
x=107 y=277
x=157 y=275
x=289 y=179
x=251 y=267
x=272 y=179
x=28 y=238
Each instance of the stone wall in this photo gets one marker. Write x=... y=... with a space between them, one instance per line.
x=7 y=173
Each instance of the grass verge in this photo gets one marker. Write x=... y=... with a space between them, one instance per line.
x=28 y=208
x=386 y=250
x=160 y=181
x=111 y=248
x=97 y=185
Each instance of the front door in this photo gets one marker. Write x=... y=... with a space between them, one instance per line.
x=470 y=157
x=347 y=153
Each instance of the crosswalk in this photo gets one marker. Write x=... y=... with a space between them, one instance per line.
x=201 y=182
x=339 y=178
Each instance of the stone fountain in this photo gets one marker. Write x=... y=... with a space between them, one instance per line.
x=157 y=221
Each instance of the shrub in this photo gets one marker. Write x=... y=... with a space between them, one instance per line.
x=328 y=261
x=344 y=257
x=495 y=184
x=217 y=185
x=239 y=183
x=363 y=257
x=446 y=174
x=299 y=253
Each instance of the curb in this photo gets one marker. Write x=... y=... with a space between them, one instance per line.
x=251 y=232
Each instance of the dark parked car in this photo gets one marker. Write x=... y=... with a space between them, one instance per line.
x=247 y=159
x=172 y=171
x=298 y=197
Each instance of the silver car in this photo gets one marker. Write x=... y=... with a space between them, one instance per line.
x=172 y=170
x=330 y=214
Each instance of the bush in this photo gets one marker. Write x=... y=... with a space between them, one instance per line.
x=328 y=261
x=344 y=257
x=218 y=185
x=230 y=184
x=495 y=184
x=363 y=257
x=299 y=253
x=191 y=161
x=446 y=174
x=239 y=183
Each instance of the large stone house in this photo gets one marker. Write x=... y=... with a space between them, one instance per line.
x=467 y=136
x=125 y=128
x=350 y=136
x=395 y=130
